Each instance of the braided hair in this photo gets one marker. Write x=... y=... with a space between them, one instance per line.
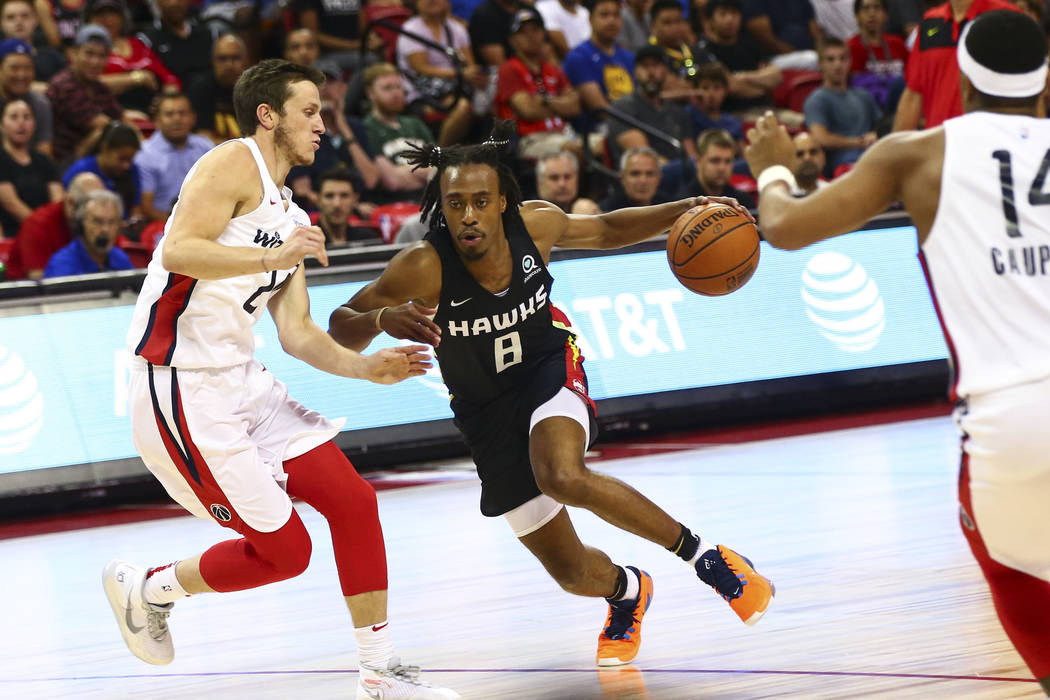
x=490 y=152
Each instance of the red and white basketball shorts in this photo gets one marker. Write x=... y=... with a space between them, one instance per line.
x=1009 y=462
x=216 y=439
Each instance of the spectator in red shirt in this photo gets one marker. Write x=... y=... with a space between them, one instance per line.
x=932 y=92
x=133 y=72
x=877 y=57
x=81 y=104
x=535 y=93
x=48 y=229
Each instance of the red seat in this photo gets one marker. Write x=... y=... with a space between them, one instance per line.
x=744 y=183
x=7 y=245
x=797 y=86
x=141 y=252
x=389 y=217
x=842 y=170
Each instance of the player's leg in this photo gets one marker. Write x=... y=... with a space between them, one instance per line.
x=183 y=428
x=325 y=478
x=545 y=529
x=1021 y=598
x=1004 y=486
x=557 y=440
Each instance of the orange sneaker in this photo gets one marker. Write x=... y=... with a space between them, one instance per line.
x=620 y=640
x=733 y=577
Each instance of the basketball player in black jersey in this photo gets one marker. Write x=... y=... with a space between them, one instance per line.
x=477 y=288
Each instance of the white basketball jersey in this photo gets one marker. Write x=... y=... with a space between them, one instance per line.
x=987 y=255
x=196 y=324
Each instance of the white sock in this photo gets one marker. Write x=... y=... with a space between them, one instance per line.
x=704 y=546
x=374 y=646
x=162 y=585
x=634 y=586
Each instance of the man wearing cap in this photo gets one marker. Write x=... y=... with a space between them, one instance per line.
x=16 y=80
x=82 y=104
x=18 y=20
x=976 y=190
x=536 y=93
x=932 y=74
x=645 y=104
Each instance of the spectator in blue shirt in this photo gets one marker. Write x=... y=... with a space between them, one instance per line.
x=96 y=222
x=114 y=165
x=599 y=69
x=841 y=119
x=168 y=155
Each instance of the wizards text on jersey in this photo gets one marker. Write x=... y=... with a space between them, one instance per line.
x=268 y=240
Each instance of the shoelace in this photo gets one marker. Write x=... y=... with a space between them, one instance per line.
x=721 y=576
x=157 y=619
x=408 y=674
x=621 y=618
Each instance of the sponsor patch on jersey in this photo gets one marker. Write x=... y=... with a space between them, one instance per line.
x=529 y=267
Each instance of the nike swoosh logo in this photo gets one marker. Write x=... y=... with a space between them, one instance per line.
x=376 y=628
x=460 y=303
x=931 y=32
x=135 y=629
x=272 y=202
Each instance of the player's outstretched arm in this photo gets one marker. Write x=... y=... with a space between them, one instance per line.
x=302 y=338
x=550 y=227
x=209 y=199
x=401 y=302
x=844 y=205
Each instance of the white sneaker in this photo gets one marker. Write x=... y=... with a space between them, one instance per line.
x=397 y=682
x=143 y=625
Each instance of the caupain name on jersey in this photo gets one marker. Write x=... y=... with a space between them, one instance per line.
x=1028 y=260
x=499 y=322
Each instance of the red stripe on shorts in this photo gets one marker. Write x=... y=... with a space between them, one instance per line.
x=191 y=465
x=575 y=377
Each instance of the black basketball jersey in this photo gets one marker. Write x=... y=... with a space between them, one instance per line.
x=491 y=344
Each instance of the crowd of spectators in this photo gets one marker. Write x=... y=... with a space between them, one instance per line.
x=106 y=104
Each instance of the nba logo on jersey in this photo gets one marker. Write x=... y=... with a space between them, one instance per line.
x=221 y=512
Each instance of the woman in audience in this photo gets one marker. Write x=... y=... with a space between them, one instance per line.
x=133 y=72
x=113 y=163
x=430 y=77
x=28 y=178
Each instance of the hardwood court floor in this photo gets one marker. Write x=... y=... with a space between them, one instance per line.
x=877 y=592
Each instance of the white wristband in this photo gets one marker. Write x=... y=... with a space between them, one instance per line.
x=776 y=173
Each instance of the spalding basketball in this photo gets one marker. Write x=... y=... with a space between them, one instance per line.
x=713 y=250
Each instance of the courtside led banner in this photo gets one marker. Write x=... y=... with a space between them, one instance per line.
x=854 y=302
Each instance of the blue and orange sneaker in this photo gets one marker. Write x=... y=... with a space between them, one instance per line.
x=622 y=637
x=734 y=578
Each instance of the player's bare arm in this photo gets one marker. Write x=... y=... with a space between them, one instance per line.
x=303 y=339
x=401 y=301
x=549 y=226
x=209 y=200
x=901 y=167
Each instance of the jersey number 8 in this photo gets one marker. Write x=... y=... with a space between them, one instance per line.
x=508 y=350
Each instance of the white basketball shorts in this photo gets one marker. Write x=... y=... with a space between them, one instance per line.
x=1009 y=455
x=216 y=439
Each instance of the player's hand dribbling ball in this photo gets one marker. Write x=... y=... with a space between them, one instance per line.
x=713 y=249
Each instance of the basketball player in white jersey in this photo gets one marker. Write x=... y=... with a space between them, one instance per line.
x=219 y=431
x=977 y=191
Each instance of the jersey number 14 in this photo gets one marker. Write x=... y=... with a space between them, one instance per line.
x=1036 y=195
